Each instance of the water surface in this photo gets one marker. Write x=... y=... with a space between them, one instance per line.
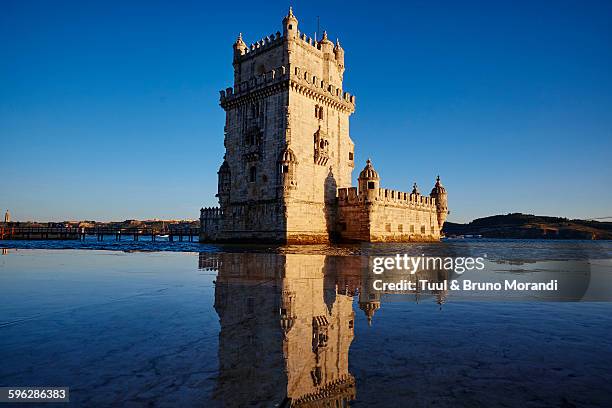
x=300 y=326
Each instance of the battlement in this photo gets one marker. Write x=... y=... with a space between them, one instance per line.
x=302 y=76
x=309 y=41
x=301 y=81
x=272 y=40
x=388 y=195
x=350 y=196
x=211 y=213
x=260 y=46
x=257 y=82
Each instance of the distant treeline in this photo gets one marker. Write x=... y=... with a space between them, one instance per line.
x=517 y=225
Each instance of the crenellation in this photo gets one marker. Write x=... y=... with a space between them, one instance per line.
x=273 y=76
x=260 y=46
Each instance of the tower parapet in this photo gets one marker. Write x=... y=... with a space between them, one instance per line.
x=230 y=95
x=244 y=51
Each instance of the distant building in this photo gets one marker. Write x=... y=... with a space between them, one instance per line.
x=7 y=216
x=289 y=158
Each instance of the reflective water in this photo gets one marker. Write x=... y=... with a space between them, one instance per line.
x=295 y=326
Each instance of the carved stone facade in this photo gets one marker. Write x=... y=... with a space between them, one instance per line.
x=286 y=174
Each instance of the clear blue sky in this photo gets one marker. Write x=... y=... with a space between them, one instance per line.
x=110 y=110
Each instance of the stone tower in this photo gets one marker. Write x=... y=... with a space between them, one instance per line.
x=7 y=217
x=286 y=172
x=287 y=143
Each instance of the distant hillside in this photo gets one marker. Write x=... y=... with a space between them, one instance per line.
x=519 y=225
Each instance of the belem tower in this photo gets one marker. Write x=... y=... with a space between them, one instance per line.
x=289 y=158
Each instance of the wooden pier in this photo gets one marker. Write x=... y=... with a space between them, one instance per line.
x=179 y=234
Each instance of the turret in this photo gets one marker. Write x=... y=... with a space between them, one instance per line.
x=224 y=185
x=439 y=193
x=369 y=182
x=287 y=163
x=339 y=54
x=287 y=310
x=240 y=47
x=326 y=45
x=369 y=308
x=290 y=25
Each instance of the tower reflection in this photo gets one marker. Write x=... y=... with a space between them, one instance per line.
x=287 y=323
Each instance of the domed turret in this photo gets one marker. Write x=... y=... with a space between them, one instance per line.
x=439 y=193
x=368 y=181
x=224 y=183
x=287 y=312
x=339 y=54
x=438 y=188
x=290 y=24
x=240 y=47
x=368 y=172
x=326 y=45
x=287 y=163
x=369 y=308
x=287 y=156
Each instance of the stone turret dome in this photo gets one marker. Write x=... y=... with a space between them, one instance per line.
x=288 y=156
x=290 y=18
x=369 y=308
x=325 y=39
x=368 y=172
x=240 y=44
x=338 y=47
x=438 y=188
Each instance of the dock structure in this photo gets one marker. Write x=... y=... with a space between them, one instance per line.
x=180 y=234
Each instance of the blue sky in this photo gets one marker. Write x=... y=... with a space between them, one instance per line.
x=110 y=110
